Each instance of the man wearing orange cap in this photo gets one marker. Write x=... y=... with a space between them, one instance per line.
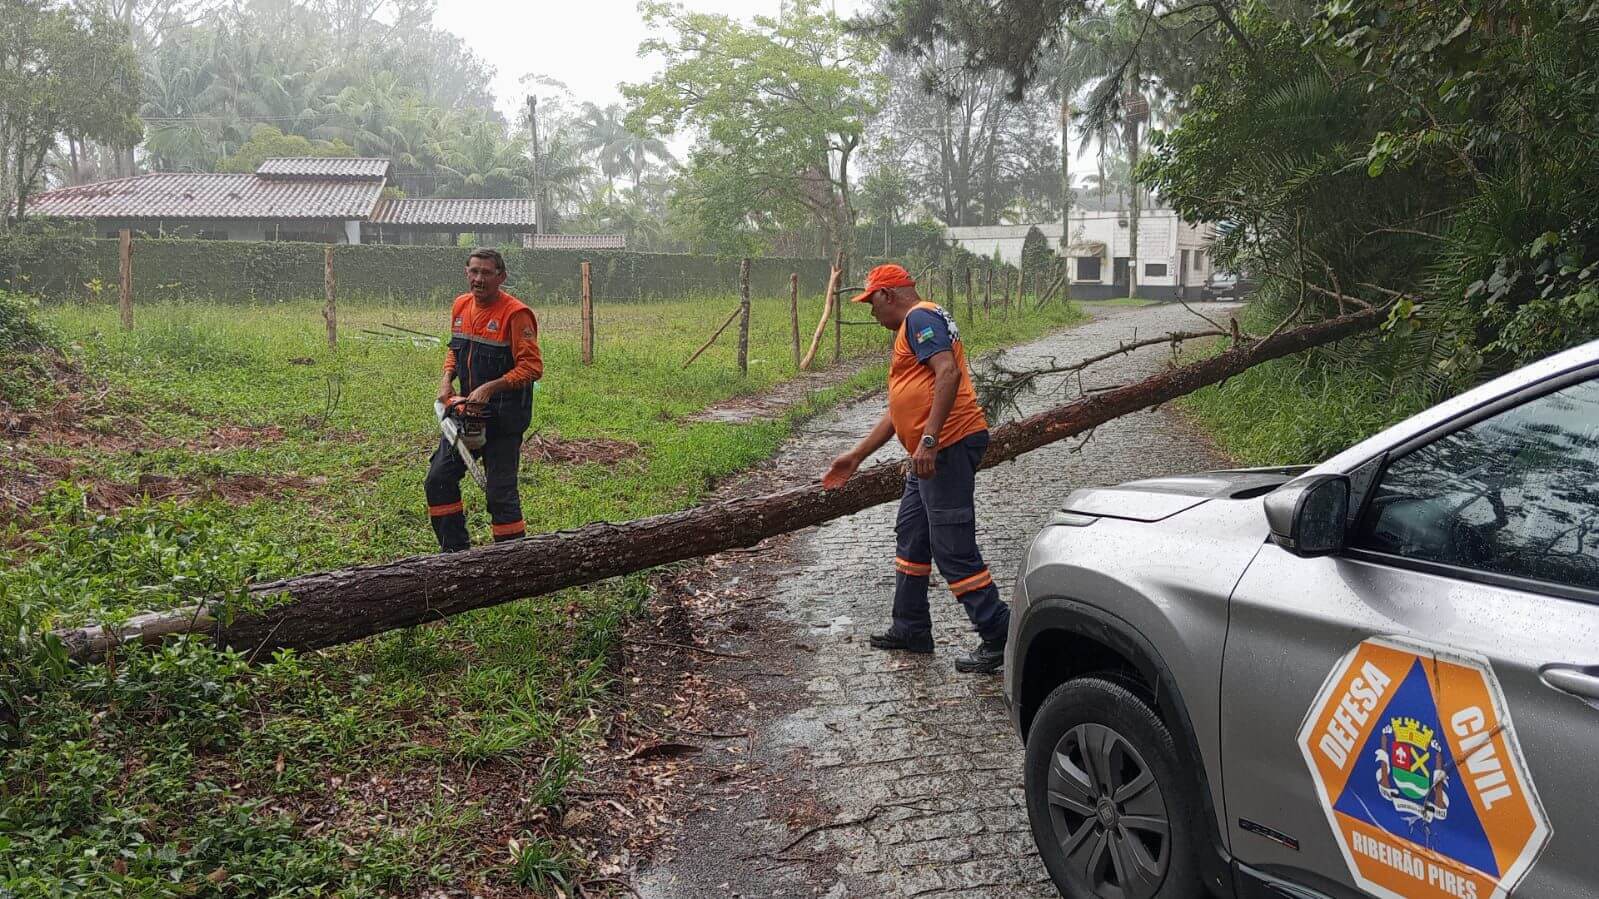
x=933 y=410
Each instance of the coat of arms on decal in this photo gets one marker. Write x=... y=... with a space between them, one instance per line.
x=1408 y=773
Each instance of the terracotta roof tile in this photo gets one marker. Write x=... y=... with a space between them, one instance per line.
x=224 y=196
x=362 y=168
x=464 y=213
x=575 y=241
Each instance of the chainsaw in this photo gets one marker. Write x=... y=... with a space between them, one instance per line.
x=463 y=427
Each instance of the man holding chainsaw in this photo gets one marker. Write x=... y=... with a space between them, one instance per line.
x=494 y=353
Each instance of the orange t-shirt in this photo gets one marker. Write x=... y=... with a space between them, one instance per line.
x=910 y=379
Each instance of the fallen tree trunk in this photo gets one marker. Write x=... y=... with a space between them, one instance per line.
x=341 y=606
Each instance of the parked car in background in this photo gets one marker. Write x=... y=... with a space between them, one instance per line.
x=1378 y=676
x=1220 y=285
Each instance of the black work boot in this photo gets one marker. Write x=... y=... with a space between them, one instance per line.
x=985 y=658
x=892 y=639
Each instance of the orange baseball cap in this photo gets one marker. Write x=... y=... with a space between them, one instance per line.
x=882 y=278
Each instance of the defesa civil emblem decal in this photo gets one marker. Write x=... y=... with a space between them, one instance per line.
x=1417 y=768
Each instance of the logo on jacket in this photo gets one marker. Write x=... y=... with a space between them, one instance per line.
x=493 y=325
x=458 y=321
x=1408 y=773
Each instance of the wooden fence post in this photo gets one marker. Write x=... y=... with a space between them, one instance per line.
x=588 y=318
x=793 y=314
x=949 y=289
x=330 y=313
x=1038 y=284
x=970 y=277
x=1004 y=299
x=744 y=316
x=125 y=278
x=838 y=309
x=988 y=289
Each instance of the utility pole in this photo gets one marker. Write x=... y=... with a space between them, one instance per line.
x=1065 y=165
x=1135 y=110
x=1065 y=180
x=125 y=159
x=538 y=195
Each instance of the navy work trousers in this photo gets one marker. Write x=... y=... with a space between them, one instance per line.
x=938 y=524
x=500 y=456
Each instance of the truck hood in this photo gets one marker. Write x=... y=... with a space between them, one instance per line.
x=1159 y=498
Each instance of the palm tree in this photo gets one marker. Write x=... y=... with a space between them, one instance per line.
x=479 y=161
x=605 y=134
x=562 y=172
x=175 y=140
x=1106 y=55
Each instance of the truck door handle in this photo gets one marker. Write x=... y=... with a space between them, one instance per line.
x=1582 y=682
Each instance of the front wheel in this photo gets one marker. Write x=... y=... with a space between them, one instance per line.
x=1109 y=805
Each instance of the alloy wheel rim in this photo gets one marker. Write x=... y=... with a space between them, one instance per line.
x=1108 y=813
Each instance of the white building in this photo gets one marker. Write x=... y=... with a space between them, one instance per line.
x=1173 y=255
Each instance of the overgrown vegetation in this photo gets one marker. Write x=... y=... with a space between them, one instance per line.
x=1435 y=159
x=30 y=353
x=435 y=756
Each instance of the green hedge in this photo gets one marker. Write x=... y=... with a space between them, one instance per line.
x=243 y=271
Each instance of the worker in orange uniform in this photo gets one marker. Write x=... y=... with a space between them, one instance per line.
x=494 y=353
x=933 y=409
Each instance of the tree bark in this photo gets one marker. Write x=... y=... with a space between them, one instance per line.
x=334 y=607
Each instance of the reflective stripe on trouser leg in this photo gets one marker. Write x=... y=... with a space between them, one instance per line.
x=911 y=550
x=501 y=458
x=443 y=489
x=952 y=523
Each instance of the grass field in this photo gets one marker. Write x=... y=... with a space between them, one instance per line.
x=410 y=759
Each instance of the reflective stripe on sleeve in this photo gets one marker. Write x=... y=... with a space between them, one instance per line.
x=446 y=509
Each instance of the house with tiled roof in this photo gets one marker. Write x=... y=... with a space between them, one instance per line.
x=325 y=200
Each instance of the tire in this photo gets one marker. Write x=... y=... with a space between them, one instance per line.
x=1119 y=849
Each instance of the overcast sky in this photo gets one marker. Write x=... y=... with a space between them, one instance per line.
x=591 y=45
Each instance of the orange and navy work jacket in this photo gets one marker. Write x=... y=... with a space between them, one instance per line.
x=927 y=331
x=500 y=340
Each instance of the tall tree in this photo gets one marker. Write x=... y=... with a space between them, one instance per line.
x=64 y=73
x=965 y=145
x=885 y=192
x=479 y=161
x=781 y=107
x=606 y=136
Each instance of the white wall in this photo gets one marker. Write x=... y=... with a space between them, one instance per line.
x=1162 y=238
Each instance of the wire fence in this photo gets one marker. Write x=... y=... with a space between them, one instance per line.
x=967 y=290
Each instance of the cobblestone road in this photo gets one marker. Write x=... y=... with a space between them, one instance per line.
x=915 y=763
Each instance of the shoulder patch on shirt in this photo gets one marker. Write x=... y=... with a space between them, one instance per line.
x=924 y=335
x=458 y=321
x=527 y=333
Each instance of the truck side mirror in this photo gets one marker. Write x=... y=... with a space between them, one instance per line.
x=1308 y=516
